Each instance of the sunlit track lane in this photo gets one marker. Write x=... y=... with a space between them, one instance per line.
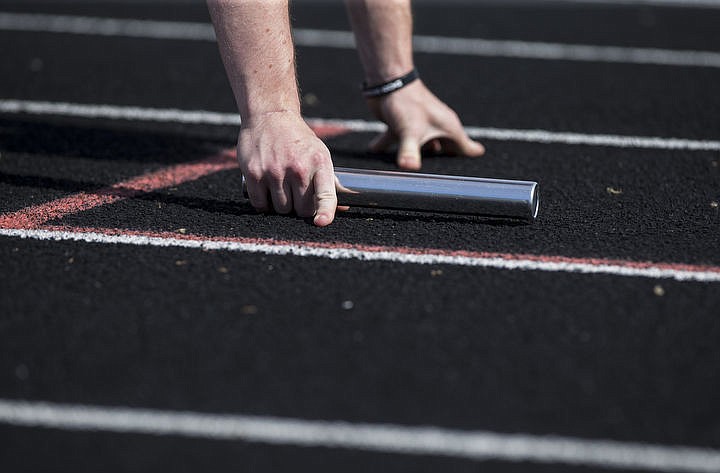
x=590 y=356
x=40 y=163
x=624 y=206
x=554 y=95
x=89 y=452
x=384 y=438
x=359 y=252
x=519 y=93
x=632 y=25
x=129 y=71
x=664 y=215
x=467 y=348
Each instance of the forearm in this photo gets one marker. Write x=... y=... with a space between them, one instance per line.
x=256 y=47
x=383 y=30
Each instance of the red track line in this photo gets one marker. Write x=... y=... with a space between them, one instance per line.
x=34 y=216
x=393 y=249
x=328 y=131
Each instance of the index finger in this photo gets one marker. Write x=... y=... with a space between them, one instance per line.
x=461 y=143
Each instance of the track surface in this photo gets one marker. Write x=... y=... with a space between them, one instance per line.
x=587 y=356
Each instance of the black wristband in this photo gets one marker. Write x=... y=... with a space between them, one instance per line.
x=391 y=86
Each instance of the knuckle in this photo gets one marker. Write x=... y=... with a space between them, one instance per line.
x=253 y=173
x=298 y=170
x=275 y=173
x=319 y=157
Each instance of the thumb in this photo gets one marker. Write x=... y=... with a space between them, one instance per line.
x=471 y=148
x=325 y=197
x=408 y=156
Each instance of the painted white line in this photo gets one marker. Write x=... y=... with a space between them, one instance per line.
x=386 y=438
x=526 y=49
x=131 y=28
x=362 y=253
x=202 y=117
x=194 y=31
x=565 y=52
x=545 y=136
x=116 y=112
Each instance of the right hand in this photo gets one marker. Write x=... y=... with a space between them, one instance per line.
x=287 y=167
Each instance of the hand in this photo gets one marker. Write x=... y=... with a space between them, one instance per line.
x=417 y=120
x=287 y=167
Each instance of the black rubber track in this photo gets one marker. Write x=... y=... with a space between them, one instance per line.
x=588 y=356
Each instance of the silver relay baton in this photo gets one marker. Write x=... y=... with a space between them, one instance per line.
x=497 y=198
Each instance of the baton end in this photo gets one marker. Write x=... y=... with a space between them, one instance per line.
x=534 y=202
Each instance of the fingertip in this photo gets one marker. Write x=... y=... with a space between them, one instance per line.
x=408 y=155
x=322 y=220
x=409 y=162
x=477 y=149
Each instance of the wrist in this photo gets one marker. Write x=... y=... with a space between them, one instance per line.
x=382 y=89
x=379 y=74
x=258 y=117
x=258 y=99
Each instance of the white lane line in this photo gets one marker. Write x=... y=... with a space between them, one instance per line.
x=115 y=112
x=545 y=136
x=566 y=52
x=386 y=438
x=335 y=251
x=132 y=28
x=526 y=49
x=202 y=117
x=194 y=31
